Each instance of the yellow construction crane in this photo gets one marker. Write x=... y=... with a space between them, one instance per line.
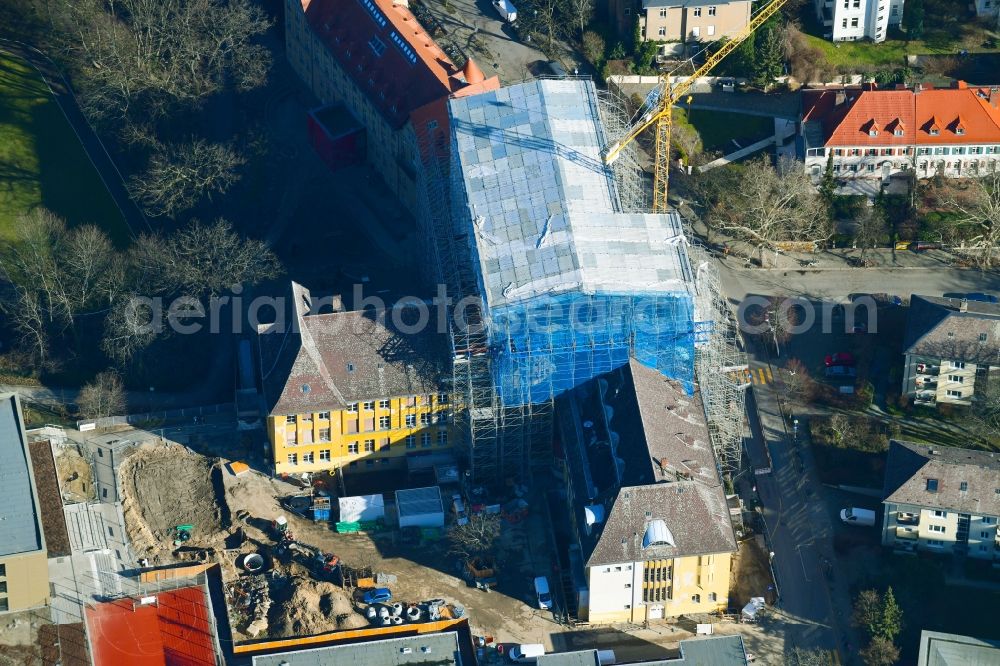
x=669 y=94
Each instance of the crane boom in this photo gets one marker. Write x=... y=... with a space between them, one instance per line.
x=670 y=94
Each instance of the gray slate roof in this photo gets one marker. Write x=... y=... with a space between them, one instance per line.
x=20 y=527
x=419 y=501
x=577 y=658
x=438 y=649
x=543 y=208
x=936 y=328
x=939 y=649
x=909 y=465
x=316 y=362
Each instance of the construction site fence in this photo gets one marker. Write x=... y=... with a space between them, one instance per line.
x=147 y=417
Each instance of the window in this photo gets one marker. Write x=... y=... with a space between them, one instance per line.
x=370 y=405
x=836 y=168
x=697 y=11
x=958 y=365
x=3 y=570
x=663 y=12
x=324 y=434
x=384 y=423
x=628 y=586
x=369 y=446
x=963 y=486
x=290 y=418
x=983 y=337
x=443 y=438
x=307 y=458
x=324 y=455
x=324 y=416
x=411 y=420
x=383 y=404
x=857 y=4
x=3 y=604
x=696 y=32
x=3 y=588
x=712 y=596
x=352 y=407
x=307 y=418
x=938 y=513
x=932 y=486
x=935 y=131
x=960 y=130
x=984 y=535
x=953 y=394
x=843 y=24
x=352 y=448
x=711 y=10
x=661 y=31
x=425 y=440
x=432 y=124
x=696 y=598
x=895 y=11
x=897 y=132
x=958 y=379
x=628 y=12
x=293 y=459
x=443 y=398
x=937 y=528
x=711 y=30
x=935 y=542
x=425 y=419
x=873 y=132
x=987 y=520
x=854 y=22
x=411 y=442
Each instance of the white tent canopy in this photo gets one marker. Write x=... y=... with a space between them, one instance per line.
x=361 y=508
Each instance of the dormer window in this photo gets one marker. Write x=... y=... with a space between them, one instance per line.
x=932 y=485
x=935 y=131
x=873 y=132
x=898 y=131
x=960 y=130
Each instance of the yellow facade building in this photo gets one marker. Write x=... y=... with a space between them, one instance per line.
x=24 y=574
x=353 y=391
x=653 y=532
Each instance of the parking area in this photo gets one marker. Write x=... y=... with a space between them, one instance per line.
x=475 y=27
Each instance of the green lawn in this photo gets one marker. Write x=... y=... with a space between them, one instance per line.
x=718 y=128
x=889 y=52
x=42 y=163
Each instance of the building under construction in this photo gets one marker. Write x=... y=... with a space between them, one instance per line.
x=559 y=272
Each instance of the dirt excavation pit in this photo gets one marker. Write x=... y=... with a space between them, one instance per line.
x=166 y=485
x=304 y=607
x=76 y=476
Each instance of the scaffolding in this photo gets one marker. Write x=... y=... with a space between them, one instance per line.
x=558 y=273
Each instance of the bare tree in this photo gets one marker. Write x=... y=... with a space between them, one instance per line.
x=985 y=410
x=593 y=47
x=103 y=396
x=29 y=320
x=581 y=11
x=686 y=140
x=180 y=175
x=870 y=229
x=798 y=382
x=142 y=57
x=880 y=652
x=867 y=610
x=979 y=218
x=476 y=537
x=772 y=204
x=130 y=327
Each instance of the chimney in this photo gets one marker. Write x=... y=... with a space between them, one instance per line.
x=994 y=97
x=964 y=305
x=840 y=97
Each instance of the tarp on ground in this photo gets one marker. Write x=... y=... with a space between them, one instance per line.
x=361 y=508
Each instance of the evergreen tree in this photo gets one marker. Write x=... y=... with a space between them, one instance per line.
x=769 y=57
x=828 y=185
x=891 y=621
x=913 y=19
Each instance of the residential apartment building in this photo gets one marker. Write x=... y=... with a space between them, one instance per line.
x=987 y=8
x=951 y=347
x=941 y=499
x=24 y=572
x=651 y=530
x=692 y=20
x=873 y=133
x=853 y=20
x=375 y=59
x=353 y=391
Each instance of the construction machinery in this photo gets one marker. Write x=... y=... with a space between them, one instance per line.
x=182 y=534
x=658 y=108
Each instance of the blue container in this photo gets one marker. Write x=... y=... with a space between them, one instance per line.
x=321 y=514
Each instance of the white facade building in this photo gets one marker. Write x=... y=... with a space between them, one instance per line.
x=852 y=20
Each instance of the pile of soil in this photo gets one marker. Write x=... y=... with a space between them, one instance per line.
x=76 y=476
x=313 y=607
x=166 y=485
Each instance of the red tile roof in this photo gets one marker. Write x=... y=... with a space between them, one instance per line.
x=388 y=54
x=959 y=115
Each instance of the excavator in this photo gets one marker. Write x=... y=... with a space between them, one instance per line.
x=658 y=109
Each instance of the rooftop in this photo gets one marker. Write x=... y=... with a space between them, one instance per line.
x=639 y=453
x=943 y=477
x=441 y=649
x=646 y=4
x=312 y=360
x=938 y=649
x=20 y=524
x=390 y=56
x=543 y=206
x=50 y=499
x=923 y=116
x=177 y=629
x=713 y=651
x=936 y=327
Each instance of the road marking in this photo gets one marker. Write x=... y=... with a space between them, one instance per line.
x=803 y=562
x=770 y=377
x=760 y=373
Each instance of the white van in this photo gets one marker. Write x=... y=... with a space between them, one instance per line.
x=526 y=653
x=507 y=11
x=856 y=516
x=542 y=593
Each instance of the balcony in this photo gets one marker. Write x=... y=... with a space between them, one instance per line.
x=907 y=533
x=925 y=398
x=928 y=369
x=903 y=518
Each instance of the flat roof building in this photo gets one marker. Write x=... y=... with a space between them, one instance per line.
x=23 y=556
x=939 y=649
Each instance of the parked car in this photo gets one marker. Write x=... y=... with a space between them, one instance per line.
x=379 y=595
x=556 y=68
x=507 y=11
x=840 y=358
x=921 y=246
x=526 y=653
x=841 y=371
x=542 y=593
x=856 y=516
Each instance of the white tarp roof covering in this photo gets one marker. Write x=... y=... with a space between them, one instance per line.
x=751 y=609
x=361 y=507
x=543 y=206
